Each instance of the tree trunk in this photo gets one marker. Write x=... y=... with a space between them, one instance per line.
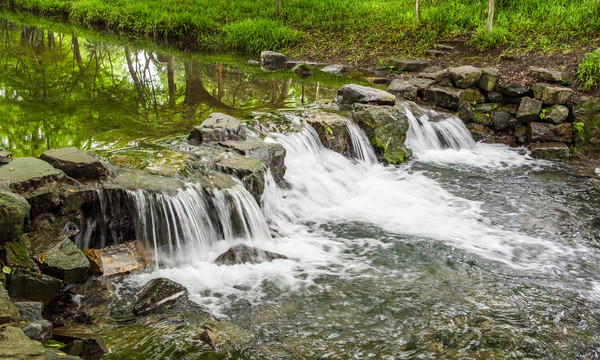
x=76 y=51
x=134 y=77
x=171 y=79
x=490 y=19
x=277 y=7
x=418 y=10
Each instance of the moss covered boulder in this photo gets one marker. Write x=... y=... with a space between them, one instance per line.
x=14 y=214
x=26 y=173
x=332 y=130
x=250 y=171
x=14 y=344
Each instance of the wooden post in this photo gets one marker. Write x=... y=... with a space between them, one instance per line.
x=277 y=7
x=418 y=8
x=490 y=19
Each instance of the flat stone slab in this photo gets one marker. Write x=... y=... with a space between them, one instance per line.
x=140 y=180
x=27 y=173
x=550 y=151
x=334 y=69
x=448 y=98
x=512 y=90
x=75 y=163
x=408 y=64
x=352 y=93
x=549 y=75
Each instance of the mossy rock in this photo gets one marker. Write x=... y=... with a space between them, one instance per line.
x=14 y=214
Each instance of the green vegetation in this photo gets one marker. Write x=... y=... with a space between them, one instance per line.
x=337 y=27
x=578 y=128
x=589 y=71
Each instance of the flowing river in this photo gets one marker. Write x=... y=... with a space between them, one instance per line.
x=467 y=251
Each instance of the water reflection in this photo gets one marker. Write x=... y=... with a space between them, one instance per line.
x=57 y=89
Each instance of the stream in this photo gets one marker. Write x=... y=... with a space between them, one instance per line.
x=467 y=251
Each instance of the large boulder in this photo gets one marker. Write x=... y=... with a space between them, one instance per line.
x=489 y=78
x=538 y=132
x=332 y=130
x=408 y=64
x=448 y=98
x=156 y=295
x=5 y=156
x=15 y=345
x=554 y=76
x=26 y=285
x=552 y=94
x=75 y=163
x=26 y=173
x=14 y=214
x=272 y=61
x=352 y=93
x=550 y=151
x=250 y=171
x=529 y=110
x=556 y=114
x=465 y=76
x=39 y=330
x=385 y=127
x=242 y=254
x=403 y=89
x=58 y=256
x=217 y=127
x=586 y=113
x=270 y=153
x=80 y=341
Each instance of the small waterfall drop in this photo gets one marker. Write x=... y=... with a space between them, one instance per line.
x=361 y=146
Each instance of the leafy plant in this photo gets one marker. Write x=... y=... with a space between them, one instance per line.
x=7 y=270
x=544 y=113
x=588 y=72
x=578 y=128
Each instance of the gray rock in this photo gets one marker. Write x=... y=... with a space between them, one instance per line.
x=465 y=112
x=134 y=180
x=272 y=61
x=448 y=98
x=75 y=163
x=217 y=127
x=557 y=114
x=544 y=132
x=81 y=341
x=334 y=69
x=382 y=71
x=215 y=180
x=502 y=120
x=435 y=53
x=494 y=97
x=250 y=171
x=435 y=73
x=521 y=134
x=421 y=84
x=9 y=313
x=552 y=94
x=26 y=285
x=44 y=199
x=242 y=254
x=15 y=345
x=26 y=174
x=512 y=90
x=39 y=330
x=5 y=156
x=529 y=110
x=271 y=154
x=489 y=78
x=380 y=80
x=30 y=310
x=352 y=93
x=473 y=95
x=253 y=63
x=157 y=295
x=386 y=128
x=554 y=76
x=332 y=130
x=465 y=76
x=14 y=214
x=403 y=89
x=303 y=70
x=63 y=259
x=16 y=255
x=408 y=64
x=550 y=151
x=587 y=112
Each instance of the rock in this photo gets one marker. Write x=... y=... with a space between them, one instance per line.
x=291 y=63
x=75 y=163
x=156 y=295
x=270 y=153
x=502 y=120
x=14 y=344
x=134 y=180
x=488 y=79
x=465 y=112
x=386 y=128
x=351 y=93
x=250 y=171
x=209 y=337
x=26 y=285
x=544 y=132
x=5 y=156
x=587 y=113
x=403 y=89
x=556 y=114
x=14 y=214
x=550 y=151
x=505 y=139
x=167 y=162
x=44 y=199
x=332 y=130
x=479 y=134
x=30 y=310
x=379 y=80
x=408 y=64
x=253 y=63
x=512 y=90
x=303 y=70
x=435 y=73
x=17 y=255
x=26 y=174
x=242 y=254
x=521 y=134
x=482 y=113
x=472 y=95
x=421 y=84
x=58 y=256
x=465 y=76
x=125 y=258
x=554 y=76
x=552 y=94
x=494 y=97
x=435 y=53
x=334 y=69
x=529 y=110
x=39 y=330
x=217 y=127
x=94 y=257
x=215 y=180
x=9 y=313
x=272 y=61
x=81 y=341
x=447 y=98
x=382 y=71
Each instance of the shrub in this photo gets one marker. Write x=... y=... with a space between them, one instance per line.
x=254 y=36
x=588 y=72
x=498 y=37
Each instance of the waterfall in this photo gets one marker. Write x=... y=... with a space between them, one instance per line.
x=448 y=132
x=180 y=227
x=361 y=146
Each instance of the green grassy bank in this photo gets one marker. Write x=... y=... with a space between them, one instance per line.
x=253 y=25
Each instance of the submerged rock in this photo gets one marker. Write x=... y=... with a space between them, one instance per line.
x=550 y=151
x=156 y=295
x=75 y=163
x=242 y=254
x=272 y=61
x=217 y=127
x=26 y=173
x=14 y=214
x=352 y=93
x=81 y=341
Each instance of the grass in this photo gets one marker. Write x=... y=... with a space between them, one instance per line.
x=588 y=72
x=330 y=26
